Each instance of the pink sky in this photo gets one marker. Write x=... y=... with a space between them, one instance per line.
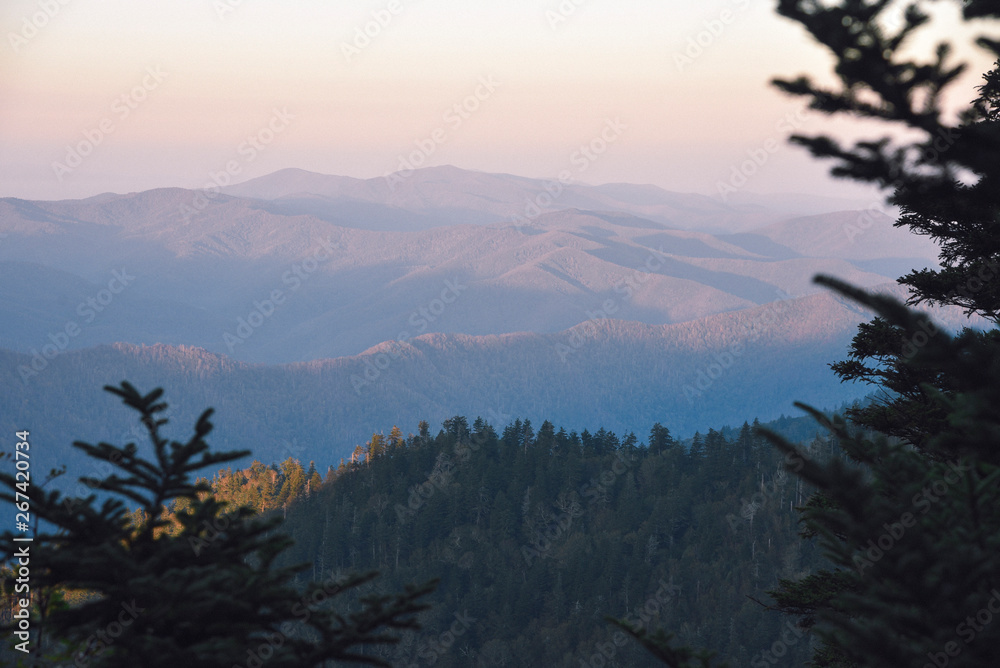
x=170 y=92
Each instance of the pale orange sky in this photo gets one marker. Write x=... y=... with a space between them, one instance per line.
x=173 y=89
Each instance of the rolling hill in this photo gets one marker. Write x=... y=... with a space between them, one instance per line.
x=305 y=288
x=604 y=373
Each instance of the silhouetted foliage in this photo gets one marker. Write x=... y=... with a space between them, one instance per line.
x=931 y=570
x=207 y=594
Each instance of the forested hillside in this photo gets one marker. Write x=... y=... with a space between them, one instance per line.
x=538 y=534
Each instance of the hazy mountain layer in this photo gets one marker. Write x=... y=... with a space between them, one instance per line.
x=437 y=195
x=619 y=375
x=240 y=277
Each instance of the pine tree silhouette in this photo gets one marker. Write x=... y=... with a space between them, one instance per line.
x=207 y=595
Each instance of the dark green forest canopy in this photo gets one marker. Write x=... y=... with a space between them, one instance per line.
x=539 y=534
x=536 y=536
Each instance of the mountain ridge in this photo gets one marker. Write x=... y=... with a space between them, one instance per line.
x=343 y=288
x=603 y=373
